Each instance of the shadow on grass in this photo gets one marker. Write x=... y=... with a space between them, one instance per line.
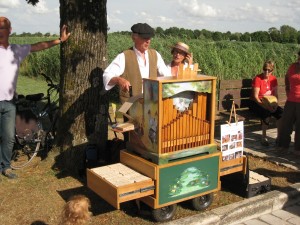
x=39 y=222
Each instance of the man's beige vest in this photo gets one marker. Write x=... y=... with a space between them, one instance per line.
x=132 y=72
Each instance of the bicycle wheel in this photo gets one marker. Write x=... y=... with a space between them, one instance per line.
x=29 y=135
x=24 y=154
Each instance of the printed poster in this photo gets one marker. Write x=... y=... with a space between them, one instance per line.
x=232 y=140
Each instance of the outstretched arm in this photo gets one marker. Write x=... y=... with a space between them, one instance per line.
x=48 y=44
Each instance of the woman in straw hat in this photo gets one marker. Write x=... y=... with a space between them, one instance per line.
x=181 y=55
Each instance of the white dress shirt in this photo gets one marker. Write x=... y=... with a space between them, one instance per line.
x=117 y=67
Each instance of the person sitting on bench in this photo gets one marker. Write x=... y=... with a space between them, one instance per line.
x=265 y=84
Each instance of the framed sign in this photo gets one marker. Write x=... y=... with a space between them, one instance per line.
x=232 y=140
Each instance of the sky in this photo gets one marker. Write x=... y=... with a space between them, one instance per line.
x=213 y=15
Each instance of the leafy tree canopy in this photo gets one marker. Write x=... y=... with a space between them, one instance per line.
x=32 y=2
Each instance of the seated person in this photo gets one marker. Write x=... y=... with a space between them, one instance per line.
x=181 y=54
x=265 y=84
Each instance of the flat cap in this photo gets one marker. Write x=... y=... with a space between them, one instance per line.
x=143 y=30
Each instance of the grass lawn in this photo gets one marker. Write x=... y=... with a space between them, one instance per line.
x=27 y=85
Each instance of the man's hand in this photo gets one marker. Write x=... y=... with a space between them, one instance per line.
x=121 y=82
x=63 y=33
x=124 y=84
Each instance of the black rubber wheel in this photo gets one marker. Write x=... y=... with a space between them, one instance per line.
x=165 y=213
x=202 y=202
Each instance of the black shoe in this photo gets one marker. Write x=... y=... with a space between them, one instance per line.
x=277 y=142
x=264 y=142
x=266 y=121
x=9 y=174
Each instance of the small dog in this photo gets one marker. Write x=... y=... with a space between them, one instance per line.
x=76 y=211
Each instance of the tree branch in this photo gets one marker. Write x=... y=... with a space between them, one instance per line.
x=32 y=2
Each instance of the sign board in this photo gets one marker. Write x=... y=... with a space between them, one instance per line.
x=232 y=140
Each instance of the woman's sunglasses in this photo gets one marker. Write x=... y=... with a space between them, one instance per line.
x=268 y=70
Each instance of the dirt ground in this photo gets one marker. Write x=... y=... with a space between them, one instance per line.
x=38 y=195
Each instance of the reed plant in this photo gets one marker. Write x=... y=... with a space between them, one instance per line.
x=223 y=59
x=47 y=61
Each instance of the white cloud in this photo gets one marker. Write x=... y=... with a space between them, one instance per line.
x=195 y=8
x=164 y=19
x=294 y=4
x=217 y=15
x=9 y=4
x=259 y=13
x=144 y=16
x=56 y=10
x=290 y=11
x=40 y=8
x=113 y=18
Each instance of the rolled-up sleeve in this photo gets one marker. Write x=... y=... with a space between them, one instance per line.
x=161 y=67
x=115 y=69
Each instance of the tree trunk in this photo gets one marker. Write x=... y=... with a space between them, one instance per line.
x=83 y=59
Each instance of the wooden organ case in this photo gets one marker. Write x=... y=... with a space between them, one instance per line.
x=174 y=119
x=171 y=147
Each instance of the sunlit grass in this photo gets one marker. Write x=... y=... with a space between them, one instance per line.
x=27 y=85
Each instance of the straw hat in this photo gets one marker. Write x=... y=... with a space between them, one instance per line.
x=181 y=46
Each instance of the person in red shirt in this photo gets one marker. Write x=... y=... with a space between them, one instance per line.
x=265 y=84
x=291 y=114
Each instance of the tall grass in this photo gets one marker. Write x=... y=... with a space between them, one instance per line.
x=47 y=61
x=224 y=59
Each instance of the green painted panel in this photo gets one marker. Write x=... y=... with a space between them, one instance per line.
x=170 y=89
x=188 y=179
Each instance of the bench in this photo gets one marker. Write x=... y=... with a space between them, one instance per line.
x=240 y=92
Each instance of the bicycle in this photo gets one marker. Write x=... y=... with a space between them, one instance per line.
x=36 y=119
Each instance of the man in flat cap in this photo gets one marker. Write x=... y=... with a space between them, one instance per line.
x=134 y=64
x=11 y=56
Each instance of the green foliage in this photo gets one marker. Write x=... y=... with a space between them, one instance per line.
x=224 y=59
x=47 y=61
x=233 y=60
x=285 y=34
